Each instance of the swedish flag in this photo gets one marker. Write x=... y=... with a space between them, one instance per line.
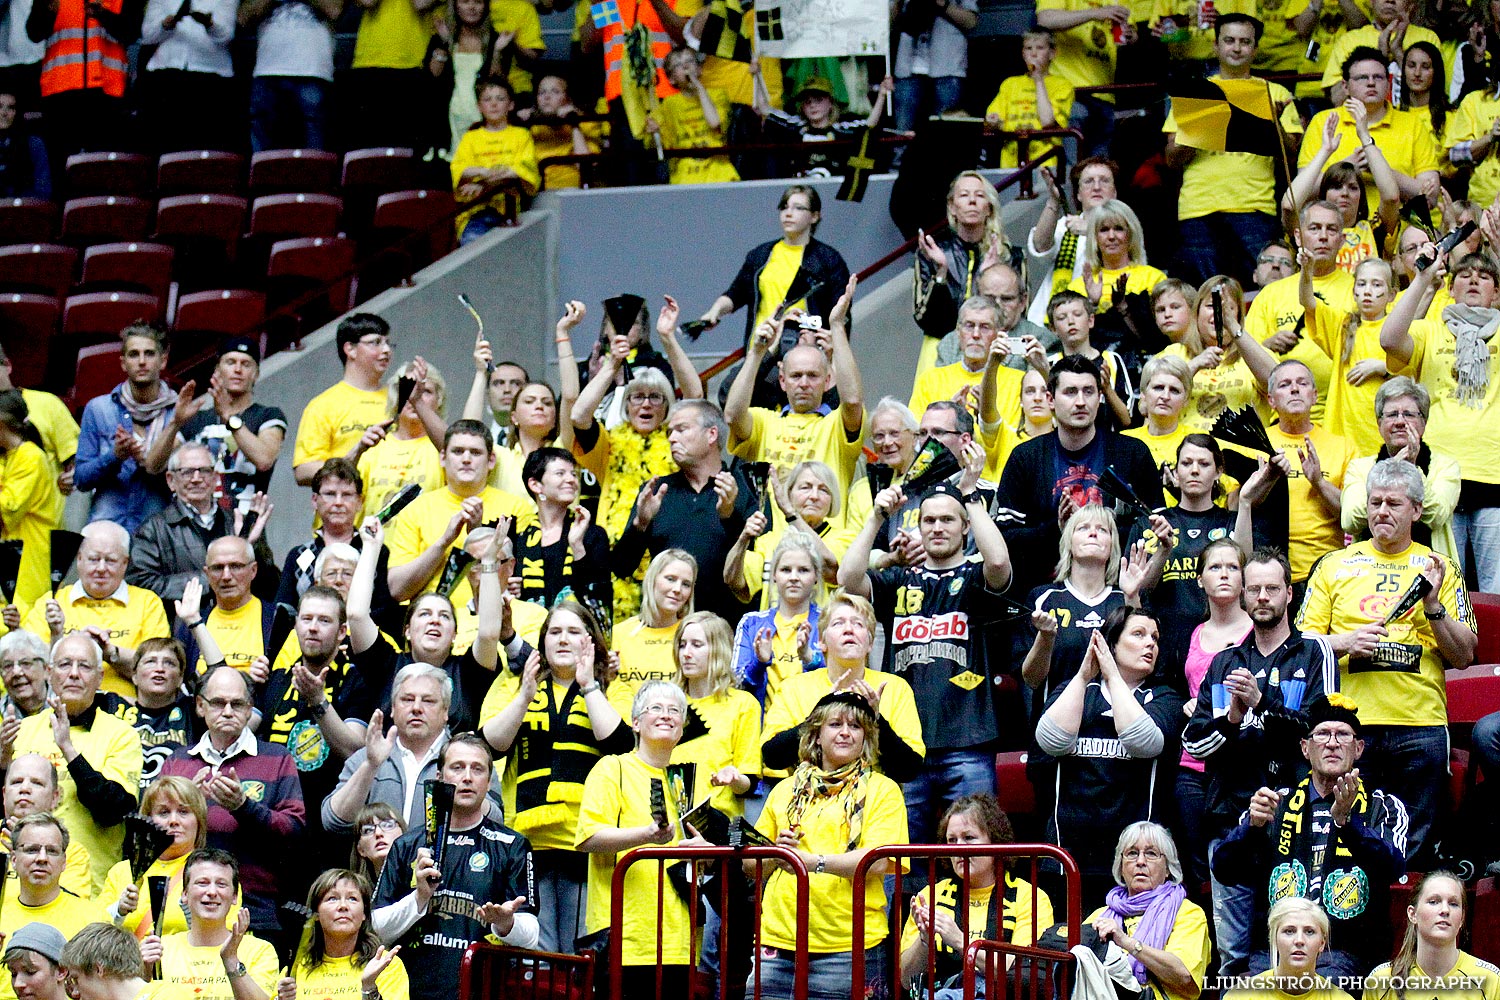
x=605 y=13
x=726 y=32
x=1226 y=116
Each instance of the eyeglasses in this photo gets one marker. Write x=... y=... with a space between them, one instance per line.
x=13 y=666
x=40 y=850
x=654 y=398
x=1332 y=737
x=969 y=324
x=227 y=704
x=194 y=472
x=1276 y=259
x=382 y=825
x=1149 y=854
x=1402 y=415
x=72 y=666
x=233 y=567
x=375 y=340
x=672 y=711
x=937 y=432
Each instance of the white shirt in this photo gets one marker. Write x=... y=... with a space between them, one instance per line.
x=411 y=767
x=244 y=744
x=190 y=46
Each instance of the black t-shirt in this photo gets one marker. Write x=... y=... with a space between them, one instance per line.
x=490 y=863
x=1178 y=600
x=161 y=730
x=241 y=478
x=936 y=644
x=1076 y=618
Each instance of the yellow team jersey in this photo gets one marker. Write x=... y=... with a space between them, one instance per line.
x=733 y=739
x=521 y=19
x=645 y=655
x=1233 y=182
x=138 y=921
x=798 y=694
x=554 y=140
x=31 y=509
x=1222 y=387
x=1188 y=941
x=684 y=126
x=1474 y=118
x=1016 y=105
x=423 y=523
x=1367 y=35
x=1016 y=921
x=617 y=795
x=1138 y=278
x=130 y=615
x=335 y=419
x=1443 y=482
x=1404 y=139
x=775 y=280
x=68 y=913
x=113 y=748
x=487 y=148
x=239 y=633
x=392 y=35
x=1379 y=987
x=339 y=979
x=1467 y=430
x=1278 y=307
x=785 y=439
x=190 y=970
x=1086 y=52
x=1359 y=244
x=1313 y=529
x=1350 y=410
x=825 y=830
x=395 y=463
x=1402 y=684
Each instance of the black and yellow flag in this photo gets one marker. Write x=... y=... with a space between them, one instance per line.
x=726 y=32
x=1226 y=116
x=857 y=170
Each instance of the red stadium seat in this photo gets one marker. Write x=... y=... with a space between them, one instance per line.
x=108 y=173
x=27 y=325
x=102 y=315
x=27 y=220
x=1487 y=610
x=290 y=216
x=1017 y=797
x=216 y=217
x=199 y=171
x=221 y=312
x=40 y=268
x=1471 y=698
x=320 y=268
x=386 y=168
x=1484 y=922
x=289 y=170
x=109 y=219
x=402 y=212
x=95 y=372
x=129 y=267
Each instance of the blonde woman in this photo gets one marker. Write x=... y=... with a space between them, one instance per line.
x=1115 y=249
x=727 y=743
x=1429 y=948
x=409 y=450
x=808 y=499
x=1298 y=933
x=782 y=641
x=643 y=643
x=1228 y=371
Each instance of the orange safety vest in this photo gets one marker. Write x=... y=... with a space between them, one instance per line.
x=81 y=55
x=634 y=12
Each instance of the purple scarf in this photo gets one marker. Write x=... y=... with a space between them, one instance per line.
x=1157 y=910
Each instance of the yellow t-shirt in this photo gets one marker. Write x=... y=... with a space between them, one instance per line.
x=484 y=147
x=733 y=738
x=1402 y=684
x=1278 y=307
x=785 y=439
x=1138 y=278
x=798 y=694
x=617 y=795
x=1163 y=448
x=335 y=419
x=1280 y=50
x=1367 y=35
x=1350 y=410
x=238 y=633
x=1264 y=988
x=1015 y=103
x=68 y=913
x=1188 y=941
x=138 y=617
x=174 y=919
x=1222 y=387
x=199 y=971
x=1468 y=967
x=54 y=423
x=423 y=523
x=31 y=509
x=113 y=748
x=825 y=830
x=1468 y=432
x=1359 y=244
x=1404 y=139
x=776 y=279
x=1233 y=182
x=1016 y=921
x=392 y=35
x=1327 y=28
x=394 y=463
x=683 y=126
x=551 y=140
x=339 y=979
x=1313 y=529
x=1086 y=52
x=645 y=655
x=521 y=18
x=943 y=383
x=1474 y=118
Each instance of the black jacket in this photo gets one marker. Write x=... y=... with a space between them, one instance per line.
x=820 y=263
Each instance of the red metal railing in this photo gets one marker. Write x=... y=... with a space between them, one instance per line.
x=1011 y=855
x=490 y=970
x=699 y=855
x=1039 y=985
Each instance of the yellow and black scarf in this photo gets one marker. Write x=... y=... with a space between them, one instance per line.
x=552 y=756
x=847 y=784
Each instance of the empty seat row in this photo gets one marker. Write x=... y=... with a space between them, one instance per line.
x=271 y=171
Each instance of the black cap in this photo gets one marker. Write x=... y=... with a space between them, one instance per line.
x=240 y=344
x=1334 y=707
x=849 y=698
x=623 y=312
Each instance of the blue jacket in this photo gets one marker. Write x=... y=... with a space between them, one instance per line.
x=748 y=670
x=123 y=492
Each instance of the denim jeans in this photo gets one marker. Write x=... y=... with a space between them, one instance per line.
x=480 y=223
x=917 y=97
x=288 y=112
x=1411 y=763
x=561 y=890
x=1479 y=530
x=828 y=975
x=1234 y=910
x=947 y=775
x=1486 y=745
x=1224 y=243
x=1096 y=119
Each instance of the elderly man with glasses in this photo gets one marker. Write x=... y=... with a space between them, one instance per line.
x=255 y=805
x=97 y=756
x=239 y=625
x=117 y=615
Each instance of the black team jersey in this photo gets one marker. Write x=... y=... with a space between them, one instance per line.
x=1076 y=618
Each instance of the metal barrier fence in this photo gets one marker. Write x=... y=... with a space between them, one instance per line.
x=491 y=971
x=1010 y=856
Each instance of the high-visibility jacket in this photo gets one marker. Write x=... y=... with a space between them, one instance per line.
x=81 y=54
x=633 y=12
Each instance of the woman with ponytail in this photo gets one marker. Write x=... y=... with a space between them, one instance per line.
x=1429 y=950
x=30 y=504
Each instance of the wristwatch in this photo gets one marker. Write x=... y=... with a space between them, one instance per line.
x=822 y=864
x=236 y=972
x=1438 y=615
x=235 y=422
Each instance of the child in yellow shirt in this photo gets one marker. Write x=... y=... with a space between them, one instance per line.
x=494 y=165
x=1037 y=99
x=696 y=117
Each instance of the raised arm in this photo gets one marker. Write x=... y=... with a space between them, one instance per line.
x=490 y=609
x=1305 y=185
x=598 y=387
x=363 y=632
x=1395 y=332
x=845 y=367
x=854 y=569
x=737 y=403
x=686 y=376
x=567 y=371
x=479 y=391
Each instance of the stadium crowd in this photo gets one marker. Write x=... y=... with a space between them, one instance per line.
x=1200 y=538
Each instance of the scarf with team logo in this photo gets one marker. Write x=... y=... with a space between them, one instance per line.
x=1303 y=858
x=552 y=756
